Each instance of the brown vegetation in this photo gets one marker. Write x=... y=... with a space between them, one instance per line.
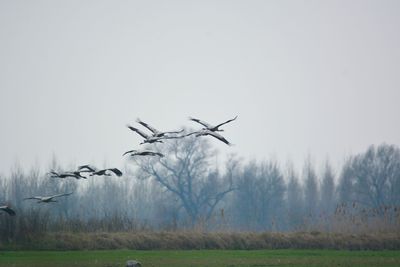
x=350 y=227
x=198 y=240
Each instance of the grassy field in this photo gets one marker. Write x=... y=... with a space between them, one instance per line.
x=231 y=258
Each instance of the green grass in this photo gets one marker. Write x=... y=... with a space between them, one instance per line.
x=212 y=258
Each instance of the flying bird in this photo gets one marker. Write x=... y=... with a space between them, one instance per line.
x=47 y=199
x=147 y=138
x=155 y=132
x=106 y=172
x=211 y=127
x=143 y=153
x=205 y=132
x=7 y=209
x=75 y=174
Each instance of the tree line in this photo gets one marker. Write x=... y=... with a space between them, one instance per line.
x=187 y=189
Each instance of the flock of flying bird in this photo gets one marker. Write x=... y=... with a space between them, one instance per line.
x=156 y=136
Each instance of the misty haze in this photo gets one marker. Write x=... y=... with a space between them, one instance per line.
x=200 y=125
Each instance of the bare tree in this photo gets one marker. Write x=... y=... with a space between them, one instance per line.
x=186 y=172
x=345 y=189
x=245 y=203
x=310 y=189
x=376 y=175
x=295 y=199
x=259 y=200
x=272 y=189
x=328 y=199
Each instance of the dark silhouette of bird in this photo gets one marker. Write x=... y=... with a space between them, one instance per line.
x=211 y=127
x=74 y=174
x=155 y=132
x=106 y=172
x=47 y=199
x=142 y=153
x=147 y=138
x=7 y=209
x=205 y=132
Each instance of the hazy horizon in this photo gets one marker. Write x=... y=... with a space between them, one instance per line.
x=305 y=78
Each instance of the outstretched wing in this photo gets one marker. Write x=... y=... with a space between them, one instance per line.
x=78 y=175
x=161 y=155
x=219 y=137
x=152 y=129
x=144 y=135
x=60 y=195
x=86 y=168
x=174 y=132
x=75 y=174
x=116 y=171
x=196 y=133
x=172 y=137
x=152 y=153
x=225 y=122
x=205 y=124
x=7 y=209
x=130 y=151
x=38 y=198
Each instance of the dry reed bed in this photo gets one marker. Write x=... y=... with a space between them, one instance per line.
x=198 y=240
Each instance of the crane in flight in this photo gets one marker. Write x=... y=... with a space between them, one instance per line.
x=147 y=138
x=75 y=174
x=47 y=199
x=157 y=133
x=212 y=128
x=94 y=171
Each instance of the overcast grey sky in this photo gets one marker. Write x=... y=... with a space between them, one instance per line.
x=318 y=77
